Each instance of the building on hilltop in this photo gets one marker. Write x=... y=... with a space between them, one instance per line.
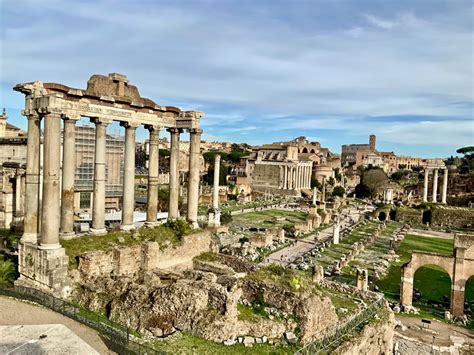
x=354 y=154
x=285 y=168
x=357 y=155
x=12 y=173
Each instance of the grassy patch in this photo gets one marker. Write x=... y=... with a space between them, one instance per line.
x=293 y=280
x=189 y=344
x=163 y=235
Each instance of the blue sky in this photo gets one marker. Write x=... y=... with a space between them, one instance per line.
x=334 y=70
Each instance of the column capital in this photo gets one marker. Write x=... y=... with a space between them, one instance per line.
x=152 y=128
x=30 y=114
x=174 y=130
x=131 y=125
x=70 y=117
x=100 y=121
x=195 y=130
x=48 y=110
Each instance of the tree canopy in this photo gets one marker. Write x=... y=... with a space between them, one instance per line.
x=374 y=179
x=465 y=150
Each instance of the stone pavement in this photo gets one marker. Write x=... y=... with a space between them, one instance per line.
x=41 y=339
x=14 y=313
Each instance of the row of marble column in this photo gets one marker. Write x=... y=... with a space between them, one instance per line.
x=295 y=177
x=435 y=186
x=57 y=213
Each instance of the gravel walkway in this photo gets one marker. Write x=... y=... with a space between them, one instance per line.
x=13 y=312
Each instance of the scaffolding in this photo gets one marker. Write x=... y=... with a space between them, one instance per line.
x=84 y=175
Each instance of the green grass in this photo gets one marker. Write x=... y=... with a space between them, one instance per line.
x=189 y=344
x=162 y=234
x=280 y=276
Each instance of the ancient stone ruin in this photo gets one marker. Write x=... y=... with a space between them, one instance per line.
x=459 y=266
x=49 y=201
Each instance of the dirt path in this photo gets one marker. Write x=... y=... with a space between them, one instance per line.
x=438 y=332
x=13 y=312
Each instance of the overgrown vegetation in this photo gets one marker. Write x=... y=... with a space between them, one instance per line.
x=169 y=234
x=7 y=271
x=293 y=280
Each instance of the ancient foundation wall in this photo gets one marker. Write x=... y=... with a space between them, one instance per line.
x=376 y=338
x=144 y=257
x=455 y=217
x=409 y=215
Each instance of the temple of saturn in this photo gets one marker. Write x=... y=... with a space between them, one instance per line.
x=435 y=167
x=49 y=201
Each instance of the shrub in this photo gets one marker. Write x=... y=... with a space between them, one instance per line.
x=179 y=226
x=226 y=218
x=7 y=271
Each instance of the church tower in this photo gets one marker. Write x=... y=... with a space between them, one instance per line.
x=372 y=140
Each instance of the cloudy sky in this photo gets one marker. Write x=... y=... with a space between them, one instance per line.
x=332 y=70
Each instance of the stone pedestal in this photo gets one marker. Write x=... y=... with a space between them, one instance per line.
x=214 y=218
x=44 y=269
x=362 y=276
x=335 y=233
x=318 y=274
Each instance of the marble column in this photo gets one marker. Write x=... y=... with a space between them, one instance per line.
x=425 y=185
x=445 y=186
x=285 y=177
x=214 y=220
x=128 y=193
x=193 y=180
x=32 y=179
x=98 y=203
x=215 y=189
x=323 y=193
x=68 y=172
x=153 y=176
x=49 y=238
x=18 y=208
x=435 y=185
x=173 y=206
x=315 y=194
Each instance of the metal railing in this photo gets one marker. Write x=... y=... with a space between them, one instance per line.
x=117 y=337
x=333 y=336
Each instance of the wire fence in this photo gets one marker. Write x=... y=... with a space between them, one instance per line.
x=333 y=336
x=117 y=337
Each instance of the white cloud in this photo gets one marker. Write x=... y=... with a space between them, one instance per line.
x=379 y=22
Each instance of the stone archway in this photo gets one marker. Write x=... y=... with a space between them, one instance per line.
x=382 y=216
x=459 y=266
x=469 y=296
x=434 y=285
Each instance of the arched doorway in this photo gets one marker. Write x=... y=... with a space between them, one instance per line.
x=382 y=216
x=305 y=150
x=432 y=289
x=393 y=215
x=426 y=217
x=469 y=299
